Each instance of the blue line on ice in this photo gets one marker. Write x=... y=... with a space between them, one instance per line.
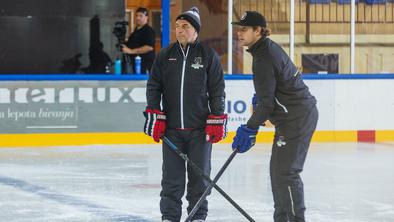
x=69 y=200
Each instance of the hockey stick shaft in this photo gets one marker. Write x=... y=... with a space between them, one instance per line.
x=211 y=185
x=201 y=173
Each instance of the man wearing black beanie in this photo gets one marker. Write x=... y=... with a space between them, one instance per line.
x=193 y=17
x=187 y=79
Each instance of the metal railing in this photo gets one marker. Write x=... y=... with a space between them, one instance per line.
x=319 y=11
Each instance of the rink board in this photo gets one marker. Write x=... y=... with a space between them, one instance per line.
x=54 y=139
x=44 y=113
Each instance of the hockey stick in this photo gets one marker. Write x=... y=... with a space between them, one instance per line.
x=211 y=185
x=201 y=173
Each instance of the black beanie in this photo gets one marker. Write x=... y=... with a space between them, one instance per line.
x=192 y=16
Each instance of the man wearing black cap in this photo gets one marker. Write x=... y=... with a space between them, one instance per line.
x=283 y=99
x=187 y=78
x=141 y=42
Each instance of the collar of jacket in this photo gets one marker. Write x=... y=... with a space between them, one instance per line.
x=192 y=45
x=261 y=43
x=145 y=25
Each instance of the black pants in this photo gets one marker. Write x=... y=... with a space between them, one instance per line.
x=289 y=151
x=193 y=143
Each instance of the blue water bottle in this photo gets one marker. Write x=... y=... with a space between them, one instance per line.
x=118 y=67
x=137 y=65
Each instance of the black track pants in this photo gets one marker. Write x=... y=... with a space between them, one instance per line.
x=193 y=143
x=289 y=151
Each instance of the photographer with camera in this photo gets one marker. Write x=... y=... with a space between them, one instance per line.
x=141 y=42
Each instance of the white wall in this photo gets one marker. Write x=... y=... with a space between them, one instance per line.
x=343 y=104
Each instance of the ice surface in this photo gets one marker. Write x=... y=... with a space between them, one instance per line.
x=344 y=182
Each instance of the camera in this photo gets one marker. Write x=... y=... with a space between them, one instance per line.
x=123 y=60
x=119 y=31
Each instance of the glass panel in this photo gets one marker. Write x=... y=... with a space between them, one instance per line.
x=213 y=14
x=375 y=36
x=277 y=14
x=156 y=21
x=58 y=37
x=322 y=33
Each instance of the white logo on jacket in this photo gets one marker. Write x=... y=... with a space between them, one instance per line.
x=197 y=63
x=281 y=141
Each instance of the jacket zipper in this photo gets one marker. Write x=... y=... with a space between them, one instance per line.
x=182 y=82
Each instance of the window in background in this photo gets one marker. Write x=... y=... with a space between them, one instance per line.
x=156 y=23
x=322 y=36
x=320 y=63
x=129 y=17
x=375 y=37
x=213 y=14
x=277 y=14
x=58 y=37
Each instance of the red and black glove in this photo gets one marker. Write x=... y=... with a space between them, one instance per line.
x=216 y=128
x=155 y=123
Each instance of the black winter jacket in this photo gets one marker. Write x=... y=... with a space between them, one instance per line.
x=281 y=92
x=189 y=83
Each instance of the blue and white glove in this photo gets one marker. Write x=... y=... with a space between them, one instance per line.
x=244 y=139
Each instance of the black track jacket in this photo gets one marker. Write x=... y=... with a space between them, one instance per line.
x=189 y=83
x=281 y=92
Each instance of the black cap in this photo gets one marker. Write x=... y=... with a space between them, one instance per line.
x=251 y=18
x=142 y=10
x=192 y=16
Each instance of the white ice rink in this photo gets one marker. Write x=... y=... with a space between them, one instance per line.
x=344 y=182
